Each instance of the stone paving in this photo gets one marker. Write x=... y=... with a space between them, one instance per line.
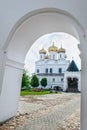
x=47 y=112
x=71 y=123
x=53 y=117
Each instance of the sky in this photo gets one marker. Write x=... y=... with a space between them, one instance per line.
x=67 y=41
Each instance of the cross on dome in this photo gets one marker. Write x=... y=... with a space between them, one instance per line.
x=53 y=48
x=61 y=49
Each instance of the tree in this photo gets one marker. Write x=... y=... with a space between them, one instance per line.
x=34 y=81
x=44 y=82
x=25 y=79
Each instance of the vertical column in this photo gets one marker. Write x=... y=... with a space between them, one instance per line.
x=2 y=66
x=79 y=84
x=10 y=93
x=83 y=47
x=65 y=84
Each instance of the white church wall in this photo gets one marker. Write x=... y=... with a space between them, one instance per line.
x=53 y=55
x=42 y=56
x=9 y=97
x=52 y=80
x=61 y=55
x=55 y=65
x=40 y=68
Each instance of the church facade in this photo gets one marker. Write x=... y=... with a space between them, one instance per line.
x=59 y=71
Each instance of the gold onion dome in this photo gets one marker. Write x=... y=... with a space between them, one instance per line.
x=53 y=48
x=46 y=57
x=61 y=50
x=42 y=51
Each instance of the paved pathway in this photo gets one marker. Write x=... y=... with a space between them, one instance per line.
x=53 y=114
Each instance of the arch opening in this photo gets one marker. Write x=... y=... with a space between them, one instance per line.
x=59 y=39
x=67 y=41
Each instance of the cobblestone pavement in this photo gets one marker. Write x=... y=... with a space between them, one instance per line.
x=72 y=122
x=48 y=112
x=55 y=113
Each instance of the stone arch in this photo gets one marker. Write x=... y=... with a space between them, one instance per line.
x=42 y=11
x=24 y=33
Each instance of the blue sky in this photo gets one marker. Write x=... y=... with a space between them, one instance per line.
x=67 y=41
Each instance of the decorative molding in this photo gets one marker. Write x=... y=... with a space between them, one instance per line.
x=15 y=64
x=3 y=58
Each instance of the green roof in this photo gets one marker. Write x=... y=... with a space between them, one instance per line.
x=72 y=67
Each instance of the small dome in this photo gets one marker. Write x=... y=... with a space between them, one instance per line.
x=62 y=50
x=46 y=57
x=42 y=51
x=53 y=48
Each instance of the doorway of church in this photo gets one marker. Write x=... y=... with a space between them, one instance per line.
x=72 y=84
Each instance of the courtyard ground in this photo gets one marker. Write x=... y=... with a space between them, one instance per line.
x=47 y=112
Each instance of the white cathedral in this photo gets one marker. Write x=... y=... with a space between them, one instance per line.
x=59 y=71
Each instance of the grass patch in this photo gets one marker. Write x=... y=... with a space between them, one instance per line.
x=23 y=93
x=27 y=92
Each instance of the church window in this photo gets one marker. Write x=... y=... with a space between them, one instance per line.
x=46 y=70
x=53 y=56
x=41 y=56
x=50 y=56
x=37 y=70
x=53 y=79
x=60 y=70
x=51 y=71
x=61 y=79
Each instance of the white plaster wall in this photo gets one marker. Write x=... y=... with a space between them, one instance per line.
x=35 y=27
x=9 y=97
x=12 y=11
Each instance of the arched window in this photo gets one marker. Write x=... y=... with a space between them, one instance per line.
x=60 y=55
x=37 y=70
x=51 y=70
x=61 y=79
x=53 y=79
x=41 y=56
x=46 y=70
x=60 y=70
x=53 y=56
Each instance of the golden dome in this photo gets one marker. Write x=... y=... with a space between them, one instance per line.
x=42 y=51
x=61 y=50
x=46 y=57
x=53 y=48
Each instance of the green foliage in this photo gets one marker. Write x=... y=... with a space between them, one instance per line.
x=23 y=93
x=34 y=81
x=44 y=82
x=28 y=92
x=25 y=79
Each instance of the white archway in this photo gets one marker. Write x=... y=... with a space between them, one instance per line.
x=25 y=32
